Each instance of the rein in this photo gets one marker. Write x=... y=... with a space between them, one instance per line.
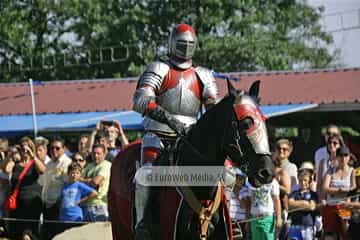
x=205 y=213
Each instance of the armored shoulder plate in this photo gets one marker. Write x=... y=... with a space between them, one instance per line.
x=154 y=75
x=151 y=78
x=210 y=89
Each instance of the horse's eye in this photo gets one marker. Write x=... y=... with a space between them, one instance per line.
x=246 y=124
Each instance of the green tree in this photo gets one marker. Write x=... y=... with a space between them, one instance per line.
x=76 y=39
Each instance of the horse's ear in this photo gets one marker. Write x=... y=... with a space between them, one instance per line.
x=254 y=89
x=231 y=89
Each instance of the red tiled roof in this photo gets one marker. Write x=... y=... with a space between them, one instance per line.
x=320 y=86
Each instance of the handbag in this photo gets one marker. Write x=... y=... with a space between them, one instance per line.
x=10 y=201
x=343 y=213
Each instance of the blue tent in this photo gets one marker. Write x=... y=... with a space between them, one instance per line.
x=15 y=125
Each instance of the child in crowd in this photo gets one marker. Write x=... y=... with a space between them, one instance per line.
x=265 y=210
x=72 y=195
x=236 y=207
x=303 y=221
x=310 y=167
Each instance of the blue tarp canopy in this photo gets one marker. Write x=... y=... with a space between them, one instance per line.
x=277 y=110
x=15 y=125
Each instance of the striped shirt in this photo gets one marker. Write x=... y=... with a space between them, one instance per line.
x=236 y=212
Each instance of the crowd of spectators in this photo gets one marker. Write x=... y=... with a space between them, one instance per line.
x=59 y=189
x=55 y=187
x=314 y=201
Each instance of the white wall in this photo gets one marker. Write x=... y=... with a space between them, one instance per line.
x=342 y=20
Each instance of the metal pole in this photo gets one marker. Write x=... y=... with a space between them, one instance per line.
x=33 y=106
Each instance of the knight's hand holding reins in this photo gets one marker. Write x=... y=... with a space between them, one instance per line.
x=161 y=115
x=177 y=126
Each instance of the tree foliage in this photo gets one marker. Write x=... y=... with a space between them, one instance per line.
x=77 y=39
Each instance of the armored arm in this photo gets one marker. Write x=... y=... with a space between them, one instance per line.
x=149 y=84
x=210 y=89
x=145 y=96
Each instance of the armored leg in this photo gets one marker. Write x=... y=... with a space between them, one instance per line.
x=146 y=196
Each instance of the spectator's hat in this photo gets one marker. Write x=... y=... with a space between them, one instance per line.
x=342 y=151
x=307 y=165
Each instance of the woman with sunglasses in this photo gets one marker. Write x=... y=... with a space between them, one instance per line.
x=284 y=148
x=333 y=143
x=79 y=158
x=28 y=202
x=338 y=182
x=322 y=151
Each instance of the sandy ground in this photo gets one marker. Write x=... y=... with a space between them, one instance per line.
x=98 y=230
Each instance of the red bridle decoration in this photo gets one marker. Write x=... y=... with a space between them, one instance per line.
x=243 y=111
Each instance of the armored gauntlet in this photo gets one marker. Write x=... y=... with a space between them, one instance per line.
x=161 y=115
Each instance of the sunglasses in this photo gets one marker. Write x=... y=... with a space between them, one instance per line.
x=79 y=160
x=283 y=149
x=55 y=148
x=331 y=133
x=344 y=155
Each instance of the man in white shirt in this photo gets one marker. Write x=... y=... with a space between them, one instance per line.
x=54 y=178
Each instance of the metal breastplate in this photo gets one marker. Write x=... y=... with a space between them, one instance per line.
x=180 y=95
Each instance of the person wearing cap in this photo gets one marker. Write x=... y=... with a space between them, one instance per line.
x=353 y=204
x=237 y=207
x=338 y=182
x=309 y=167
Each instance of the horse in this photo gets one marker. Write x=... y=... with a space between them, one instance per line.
x=234 y=128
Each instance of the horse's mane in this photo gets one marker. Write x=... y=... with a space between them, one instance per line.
x=210 y=117
x=206 y=135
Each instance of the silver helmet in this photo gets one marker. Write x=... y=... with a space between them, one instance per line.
x=182 y=43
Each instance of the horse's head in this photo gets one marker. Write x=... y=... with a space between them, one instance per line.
x=248 y=124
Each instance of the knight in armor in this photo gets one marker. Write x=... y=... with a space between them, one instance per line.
x=170 y=94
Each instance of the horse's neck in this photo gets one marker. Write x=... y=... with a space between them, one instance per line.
x=207 y=136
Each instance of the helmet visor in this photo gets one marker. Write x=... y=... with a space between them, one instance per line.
x=185 y=49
